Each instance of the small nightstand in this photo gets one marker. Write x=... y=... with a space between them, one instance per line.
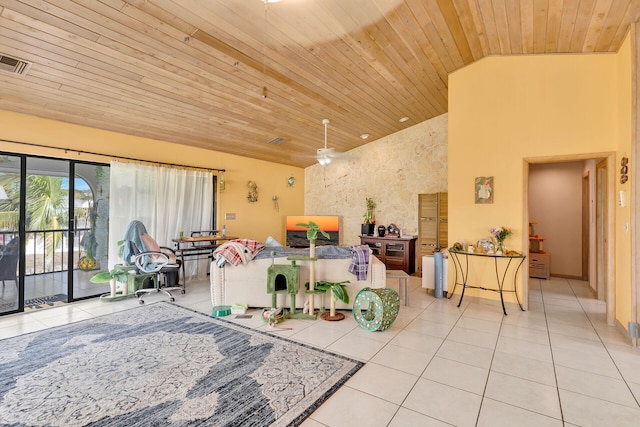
x=540 y=265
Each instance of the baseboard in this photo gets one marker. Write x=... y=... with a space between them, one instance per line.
x=430 y=291
x=567 y=276
x=624 y=331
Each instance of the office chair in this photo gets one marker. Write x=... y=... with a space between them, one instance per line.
x=165 y=273
x=151 y=259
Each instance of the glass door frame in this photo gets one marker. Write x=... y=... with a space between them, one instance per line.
x=70 y=222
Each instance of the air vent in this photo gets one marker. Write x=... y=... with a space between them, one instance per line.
x=277 y=140
x=14 y=66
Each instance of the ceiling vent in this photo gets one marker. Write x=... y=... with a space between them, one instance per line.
x=277 y=140
x=14 y=66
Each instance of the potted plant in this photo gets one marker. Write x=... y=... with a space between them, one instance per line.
x=89 y=262
x=369 y=224
x=118 y=273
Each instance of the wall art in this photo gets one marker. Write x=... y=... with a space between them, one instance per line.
x=484 y=189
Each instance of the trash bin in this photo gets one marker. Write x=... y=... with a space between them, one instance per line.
x=429 y=273
x=438 y=279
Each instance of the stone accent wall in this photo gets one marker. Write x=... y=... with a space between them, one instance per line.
x=392 y=171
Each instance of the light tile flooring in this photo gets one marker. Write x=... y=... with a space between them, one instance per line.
x=42 y=285
x=556 y=364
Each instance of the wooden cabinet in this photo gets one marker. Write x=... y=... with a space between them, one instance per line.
x=397 y=253
x=433 y=229
x=540 y=265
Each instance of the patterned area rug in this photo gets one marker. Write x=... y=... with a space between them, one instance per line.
x=161 y=364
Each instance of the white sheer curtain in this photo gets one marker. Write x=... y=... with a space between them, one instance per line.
x=166 y=200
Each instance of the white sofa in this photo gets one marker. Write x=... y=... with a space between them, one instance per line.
x=247 y=283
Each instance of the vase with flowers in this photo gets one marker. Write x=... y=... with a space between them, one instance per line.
x=500 y=234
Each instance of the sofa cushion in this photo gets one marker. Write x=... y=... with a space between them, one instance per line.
x=272 y=243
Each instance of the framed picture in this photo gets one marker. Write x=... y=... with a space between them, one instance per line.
x=484 y=189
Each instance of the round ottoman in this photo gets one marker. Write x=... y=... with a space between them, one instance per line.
x=381 y=308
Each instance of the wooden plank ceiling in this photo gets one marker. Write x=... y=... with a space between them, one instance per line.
x=231 y=75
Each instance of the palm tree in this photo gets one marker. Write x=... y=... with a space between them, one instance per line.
x=10 y=207
x=46 y=206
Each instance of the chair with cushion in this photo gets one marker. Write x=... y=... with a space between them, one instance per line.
x=142 y=251
x=164 y=269
x=9 y=261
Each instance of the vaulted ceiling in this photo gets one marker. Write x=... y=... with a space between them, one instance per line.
x=233 y=75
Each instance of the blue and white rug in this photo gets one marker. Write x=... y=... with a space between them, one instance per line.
x=163 y=365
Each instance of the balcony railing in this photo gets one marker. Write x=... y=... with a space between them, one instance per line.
x=40 y=258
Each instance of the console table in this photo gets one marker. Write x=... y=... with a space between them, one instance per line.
x=507 y=261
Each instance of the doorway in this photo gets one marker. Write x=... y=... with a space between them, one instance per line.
x=51 y=218
x=587 y=224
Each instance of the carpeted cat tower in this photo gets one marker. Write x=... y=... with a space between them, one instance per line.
x=283 y=279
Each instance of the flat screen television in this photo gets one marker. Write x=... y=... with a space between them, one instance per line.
x=297 y=236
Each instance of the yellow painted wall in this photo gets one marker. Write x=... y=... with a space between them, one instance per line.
x=253 y=220
x=623 y=214
x=503 y=110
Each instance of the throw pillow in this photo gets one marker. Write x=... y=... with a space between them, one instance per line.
x=272 y=243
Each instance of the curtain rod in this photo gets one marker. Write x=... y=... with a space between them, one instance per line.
x=111 y=156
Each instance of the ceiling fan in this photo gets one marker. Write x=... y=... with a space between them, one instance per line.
x=326 y=155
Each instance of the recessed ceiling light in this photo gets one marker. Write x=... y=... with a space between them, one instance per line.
x=364 y=136
x=404 y=119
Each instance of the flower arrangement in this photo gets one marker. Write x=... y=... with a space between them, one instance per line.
x=500 y=234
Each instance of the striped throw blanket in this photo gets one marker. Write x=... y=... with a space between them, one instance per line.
x=360 y=261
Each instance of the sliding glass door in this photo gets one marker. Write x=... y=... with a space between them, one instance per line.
x=54 y=213
x=90 y=227
x=46 y=238
x=11 y=186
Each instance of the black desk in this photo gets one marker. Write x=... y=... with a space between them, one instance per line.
x=197 y=247
x=462 y=273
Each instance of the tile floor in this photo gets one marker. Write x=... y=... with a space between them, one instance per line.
x=556 y=364
x=42 y=285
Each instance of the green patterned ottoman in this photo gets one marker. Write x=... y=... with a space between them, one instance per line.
x=381 y=308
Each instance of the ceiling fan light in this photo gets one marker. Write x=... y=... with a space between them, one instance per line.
x=324 y=161
x=323 y=155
